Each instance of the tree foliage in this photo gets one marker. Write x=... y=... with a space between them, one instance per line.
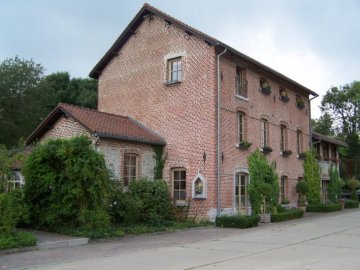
x=334 y=184
x=312 y=177
x=343 y=104
x=67 y=183
x=262 y=172
x=323 y=125
x=27 y=96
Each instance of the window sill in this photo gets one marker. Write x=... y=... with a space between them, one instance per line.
x=172 y=83
x=242 y=97
x=181 y=203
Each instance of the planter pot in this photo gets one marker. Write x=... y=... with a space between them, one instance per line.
x=342 y=202
x=284 y=98
x=265 y=218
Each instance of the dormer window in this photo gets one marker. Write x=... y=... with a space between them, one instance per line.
x=174 y=70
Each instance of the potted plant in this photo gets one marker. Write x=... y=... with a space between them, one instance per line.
x=302 y=188
x=341 y=201
x=265 y=191
x=284 y=95
x=353 y=184
x=286 y=153
x=265 y=87
x=300 y=103
x=266 y=150
x=244 y=145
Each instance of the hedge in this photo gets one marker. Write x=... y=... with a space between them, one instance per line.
x=287 y=215
x=351 y=204
x=321 y=208
x=17 y=239
x=237 y=221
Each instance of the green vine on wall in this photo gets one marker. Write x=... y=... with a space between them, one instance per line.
x=160 y=158
x=312 y=177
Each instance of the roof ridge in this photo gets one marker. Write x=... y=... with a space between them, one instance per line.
x=89 y=109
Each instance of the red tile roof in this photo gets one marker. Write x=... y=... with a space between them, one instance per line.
x=105 y=125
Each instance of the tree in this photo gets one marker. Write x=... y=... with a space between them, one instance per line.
x=312 y=177
x=334 y=184
x=343 y=103
x=262 y=172
x=323 y=125
x=22 y=98
x=76 y=91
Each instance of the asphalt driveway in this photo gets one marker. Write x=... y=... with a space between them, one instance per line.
x=320 y=241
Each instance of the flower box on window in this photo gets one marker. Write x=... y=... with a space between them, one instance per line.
x=300 y=103
x=265 y=88
x=286 y=153
x=302 y=156
x=284 y=96
x=266 y=150
x=244 y=145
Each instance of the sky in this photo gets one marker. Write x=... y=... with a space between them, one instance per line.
x=314 y=42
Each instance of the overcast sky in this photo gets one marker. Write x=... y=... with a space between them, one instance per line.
x=315 y=42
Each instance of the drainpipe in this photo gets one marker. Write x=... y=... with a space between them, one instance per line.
x=218 y=132
x=310 y=129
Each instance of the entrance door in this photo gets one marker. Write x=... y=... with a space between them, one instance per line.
x=241 y=193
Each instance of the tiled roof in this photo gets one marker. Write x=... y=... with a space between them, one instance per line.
x=105 y=125
x=321 y=137
x=148 y=10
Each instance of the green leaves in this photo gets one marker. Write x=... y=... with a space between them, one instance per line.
x=65 y=179
x=312 y=177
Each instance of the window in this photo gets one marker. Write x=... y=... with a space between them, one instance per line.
x=130 y=168
x=299 y=141
x=326 y=152
x=241 y=126
x=333 y=153
x=16 y=181
x=283 y=181
x=179 y=184
x=264 y=133
x=241 y=83
x=174 y=70
x=283 y=138
x=241 y=193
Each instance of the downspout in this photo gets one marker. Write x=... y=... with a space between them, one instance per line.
x=310 y=128
x=218 y=132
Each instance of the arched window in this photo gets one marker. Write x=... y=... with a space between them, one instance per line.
x=241 y=192
x=283 y=138
x=241 y=127
x=299 y=141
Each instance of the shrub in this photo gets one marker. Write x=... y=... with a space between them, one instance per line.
x=287 y=214
x=240 y=222
x=64 y=178
x=312 y=177
x=351 y=203
x=353 y=184
x=302 y=187
x=8 y=214
x=323 y=208
x=17 y=239
x=146 y=201
x=261 y=172
x=334 y=184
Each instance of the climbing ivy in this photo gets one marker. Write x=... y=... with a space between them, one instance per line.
x=159 y=161
x=262 y=172
x=312 y=177
x=334 y=184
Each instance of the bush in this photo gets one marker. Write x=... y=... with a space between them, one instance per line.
x=64 y=178
x=8 y=214
x=262 y=172
x=93 y=233
x=351 y=203
x=17 y=239
x=312 y=177
x=302 y=187
x=146 y=201
x=240 y=222
x=287 y=215
x=323 y=208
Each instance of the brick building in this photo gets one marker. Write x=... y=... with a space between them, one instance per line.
x=210 y=104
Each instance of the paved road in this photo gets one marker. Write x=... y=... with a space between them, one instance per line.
x=325 y=241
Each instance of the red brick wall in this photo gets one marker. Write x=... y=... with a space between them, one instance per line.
x=259 y=104
x=134 y=83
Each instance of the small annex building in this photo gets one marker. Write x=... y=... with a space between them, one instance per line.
x=126 y=144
